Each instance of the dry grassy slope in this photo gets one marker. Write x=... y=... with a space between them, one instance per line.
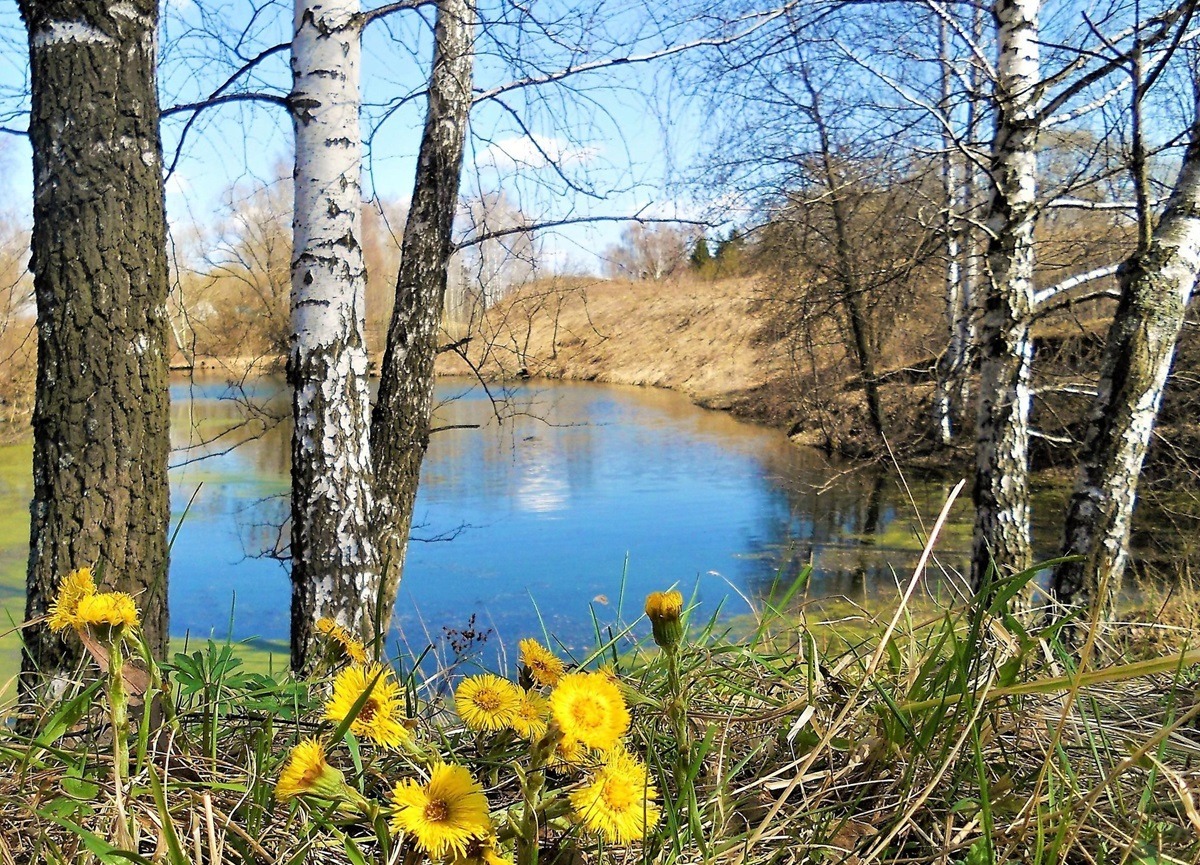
x=698 y=337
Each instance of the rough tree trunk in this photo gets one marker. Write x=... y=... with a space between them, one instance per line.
x=851 y=291
x=100 y=276
x=1001 y=491
x=400 y=422
x=335 y=569
x=1156 y=286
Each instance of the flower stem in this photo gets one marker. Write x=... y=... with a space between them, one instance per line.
x=118 y=707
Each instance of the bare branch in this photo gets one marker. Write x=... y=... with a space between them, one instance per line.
x=710 y=41
x=575 y=220
x=388 y=8
x=1165 y=23
x=1040 y=298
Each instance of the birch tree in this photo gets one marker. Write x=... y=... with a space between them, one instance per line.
x=1156 y=285
x=100 y=278
x=400 y=420
x=1001 y=489
x=335 y=569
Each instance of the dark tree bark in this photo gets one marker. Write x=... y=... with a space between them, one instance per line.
x=850 y=290
x=400 y=420
x=1156 y=287
x=100 y=276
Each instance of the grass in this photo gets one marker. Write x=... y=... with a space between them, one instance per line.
x=953 y=736
x=16 y=490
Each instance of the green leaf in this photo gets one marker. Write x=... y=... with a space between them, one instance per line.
x=355 y=855
x=65 y=717
x=97 y=846
x=174 y=848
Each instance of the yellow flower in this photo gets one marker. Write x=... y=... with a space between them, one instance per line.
x=108 y=609
x=487 y=702
x=445 y=815
x=664 y=609
x=307 y=772
x=381 y=718
x=619 y=801
x=544 y=665
x=664 y=605
x=340 y=637
x=74 y=587
x=531 y=719
x=589 y=707
x=570 y=754
x=482 y=851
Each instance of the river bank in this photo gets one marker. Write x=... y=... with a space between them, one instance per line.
x=704 y=339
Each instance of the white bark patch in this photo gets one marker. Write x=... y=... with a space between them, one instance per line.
x=56 y=33
x=332 y=403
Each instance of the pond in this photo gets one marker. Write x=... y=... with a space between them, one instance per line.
x=543 y=509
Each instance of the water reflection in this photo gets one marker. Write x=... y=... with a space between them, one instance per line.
x=565 y=498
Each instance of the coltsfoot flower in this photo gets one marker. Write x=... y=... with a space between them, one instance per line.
x=589 y=708
x=619 y=801
x=444 y=816
x=571 y=754
x=664 y=610
x=483 y=851
x=107 y=609
x=532 y=716
x=340 y=637
x=307 y=774
x=381 y=718
x=544 y=666
x=487 y=702
x=75 y=586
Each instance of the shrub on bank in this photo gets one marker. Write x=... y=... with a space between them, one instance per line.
x=964 y=738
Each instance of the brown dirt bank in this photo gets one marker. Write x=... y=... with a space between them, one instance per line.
x=701 y=338
x=715 y=341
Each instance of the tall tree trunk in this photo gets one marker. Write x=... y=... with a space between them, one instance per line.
x=951 y=364
x=400 y=422
x=1001 y=491
x=970 y=246
x=101 y=414
x=1156 y=286
x=852 y=294
x=335 y=570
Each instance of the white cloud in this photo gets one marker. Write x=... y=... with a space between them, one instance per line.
x=533 y=151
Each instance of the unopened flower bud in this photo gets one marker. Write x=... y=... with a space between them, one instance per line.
x=664 y=610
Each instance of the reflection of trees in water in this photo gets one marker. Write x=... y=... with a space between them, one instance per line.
x=566 y=453
x=247 y=424
x=838 y=527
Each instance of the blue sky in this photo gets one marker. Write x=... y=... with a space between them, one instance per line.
x=618 y=140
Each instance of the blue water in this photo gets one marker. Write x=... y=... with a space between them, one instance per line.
x=536 y=521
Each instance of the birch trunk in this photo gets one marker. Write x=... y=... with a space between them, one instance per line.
x=400 y=422
x=101 y=415
x=1156 y=287
x=1001 y=491
x=951 y=365
x=335 y=570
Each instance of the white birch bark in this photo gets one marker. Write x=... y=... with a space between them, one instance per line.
x=1001 y=491
x=950 y=368
x=334 y=562
x=1156 y=287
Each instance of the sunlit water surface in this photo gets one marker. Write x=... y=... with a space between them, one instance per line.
x=551 y=509
x=545 y=511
